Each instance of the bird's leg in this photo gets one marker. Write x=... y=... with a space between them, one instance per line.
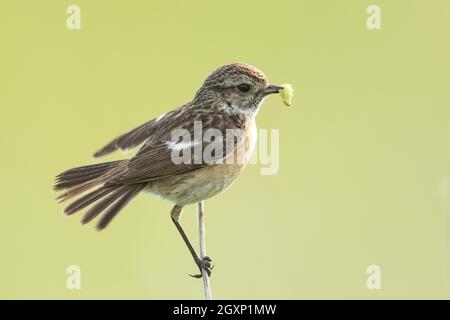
x=202 y=263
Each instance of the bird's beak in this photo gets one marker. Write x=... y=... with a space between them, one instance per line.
x=272 y=89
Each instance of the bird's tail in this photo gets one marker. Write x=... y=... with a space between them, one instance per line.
x=111 y=197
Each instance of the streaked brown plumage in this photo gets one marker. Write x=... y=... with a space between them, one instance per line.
x=222 y=102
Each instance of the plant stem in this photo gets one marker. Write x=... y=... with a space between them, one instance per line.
x=201 y=230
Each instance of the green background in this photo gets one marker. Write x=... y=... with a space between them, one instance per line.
x=364 y=153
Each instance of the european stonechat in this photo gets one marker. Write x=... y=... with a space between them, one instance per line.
x=228 y=101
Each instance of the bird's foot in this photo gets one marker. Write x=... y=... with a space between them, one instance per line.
x=204 y=263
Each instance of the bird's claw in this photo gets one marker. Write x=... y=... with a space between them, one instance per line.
x=204 y=263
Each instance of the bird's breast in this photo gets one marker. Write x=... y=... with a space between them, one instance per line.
x=210 y=180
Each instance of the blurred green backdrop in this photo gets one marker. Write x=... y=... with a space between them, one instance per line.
x=364 y=153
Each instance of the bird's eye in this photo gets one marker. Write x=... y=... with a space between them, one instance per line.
x=243 y=87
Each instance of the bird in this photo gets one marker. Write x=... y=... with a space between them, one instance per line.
x=227 y=101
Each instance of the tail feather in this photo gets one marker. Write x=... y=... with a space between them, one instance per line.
x=101 y=177
x=76 y=176
x=132 y=191
x=87 y=200
x=75 y=181
x=100 y=206
x=105 y=196
x=90 y=168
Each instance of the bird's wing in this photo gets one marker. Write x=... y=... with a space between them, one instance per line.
x=151 y=130
x=163 y=159
x=130 y=139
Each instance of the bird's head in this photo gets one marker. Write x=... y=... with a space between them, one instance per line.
x=240 y=87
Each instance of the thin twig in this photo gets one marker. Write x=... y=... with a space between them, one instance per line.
x=201 y=230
